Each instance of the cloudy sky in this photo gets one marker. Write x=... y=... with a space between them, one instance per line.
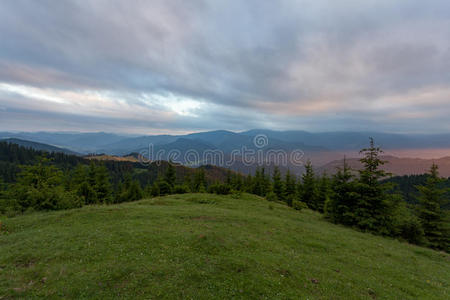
x=183 y=66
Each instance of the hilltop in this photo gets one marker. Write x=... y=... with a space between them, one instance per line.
x=207 y=246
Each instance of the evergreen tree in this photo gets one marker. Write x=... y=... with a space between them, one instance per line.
x=199 y=185
x=154 y=191
x=323 y=192
x=187 y=181
x=341 y=206
x=237 y=182
x=309 y=192
x=289 y=185
x=373 y=210
x=92 y=174
x=248 y=184
x=40 y=186
x=277 y=185
x=170 y=175
x=266 y=183
x=129 y=190
x=228 y=179
x=102 y=187
x=81 y=184
x=431 y=214
x=257 y=186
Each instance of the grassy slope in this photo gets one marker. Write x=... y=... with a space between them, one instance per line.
x=206 y=246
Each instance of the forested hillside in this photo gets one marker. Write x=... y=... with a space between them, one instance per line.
x=35 y=180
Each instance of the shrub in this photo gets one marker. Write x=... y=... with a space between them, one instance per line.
x=271 y=197
x=299 y=205
x=236 y=194
x=164 y=188
x=154 y=191
x=290 y=200
x=181 y=189
x=407 y=226
x=220 y=189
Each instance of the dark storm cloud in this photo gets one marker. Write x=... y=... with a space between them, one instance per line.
x=198 y=65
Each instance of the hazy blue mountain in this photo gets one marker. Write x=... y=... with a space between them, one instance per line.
x=216 y=138
x=128 y=145
x=38 y=146
x=357 y=140
x=79 y=142
x=227 y=141
x=182 y=150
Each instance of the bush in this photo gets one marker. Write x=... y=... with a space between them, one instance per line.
x=237 y=194
x=407 y=226
x=154 y=191
x=299 y=205
x=290 y=200
x=164 y=188
x=272 y=197
x=220 y=189
x=181 y=189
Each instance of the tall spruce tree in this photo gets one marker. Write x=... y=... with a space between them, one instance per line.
x=289 y=188
x=199 y=185
x=102 y=187
x=373 y=208
x=309 y=192
x=431 y=214
x=341 y=206
x=323 y=191
x=258 y=183
x=277 y=184
x=170 y=175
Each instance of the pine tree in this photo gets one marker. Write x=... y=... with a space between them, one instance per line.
x=102 y=186
x=228 y=179
x=248 y=184
x=341 y=206
x=170 y=175
x=237 y=182
x=431 y=214
x=309 y=192
x=289 y=185
x=277 y=185
x=323 y=192
x=81 y=183
x=257 y=186
x=92 y=174
x=154 y=191
x=40 y=186
x=199 y=185
x=373 y=208
x=187 y=181
x=265 y=182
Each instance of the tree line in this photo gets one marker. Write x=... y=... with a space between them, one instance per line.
x=365 y=199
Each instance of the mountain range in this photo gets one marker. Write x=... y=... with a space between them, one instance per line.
x=324 y=149
x=38 y=146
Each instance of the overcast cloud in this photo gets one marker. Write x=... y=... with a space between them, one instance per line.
x=182 y=66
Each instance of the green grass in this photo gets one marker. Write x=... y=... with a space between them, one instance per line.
x=199 y=246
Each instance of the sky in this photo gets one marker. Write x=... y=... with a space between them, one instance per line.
x=176 y=66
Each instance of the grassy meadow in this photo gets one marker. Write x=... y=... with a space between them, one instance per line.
x=204 y=246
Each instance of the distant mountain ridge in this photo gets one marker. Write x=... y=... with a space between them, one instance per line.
x=321 y=148
x=38 y=146
x=340 y=140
